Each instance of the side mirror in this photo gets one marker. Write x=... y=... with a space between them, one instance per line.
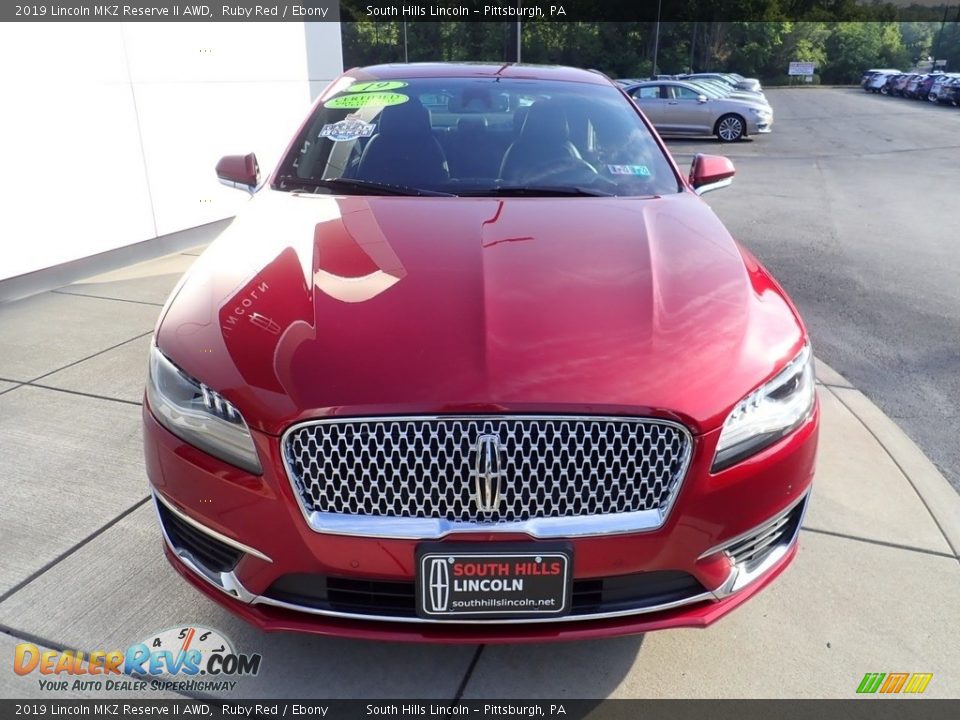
x=710 y=172
x=239 y=171
x=701 y=98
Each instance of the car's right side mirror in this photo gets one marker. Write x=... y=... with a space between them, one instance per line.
x=701 y=98
x=710 y=172
x=239 y=171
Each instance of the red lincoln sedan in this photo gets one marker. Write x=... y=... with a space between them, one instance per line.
x=477 y=364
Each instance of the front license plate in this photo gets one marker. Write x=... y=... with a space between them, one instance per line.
x=465 y=582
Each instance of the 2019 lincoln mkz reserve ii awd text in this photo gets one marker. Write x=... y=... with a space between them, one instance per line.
x=477 y=364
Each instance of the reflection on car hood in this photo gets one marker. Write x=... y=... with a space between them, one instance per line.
x=319 y=305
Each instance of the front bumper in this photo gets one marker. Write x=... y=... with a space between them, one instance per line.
x=759 y=126
x=256 y=524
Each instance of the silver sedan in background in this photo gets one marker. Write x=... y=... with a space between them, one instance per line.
x=682 y=108
x=733 y=79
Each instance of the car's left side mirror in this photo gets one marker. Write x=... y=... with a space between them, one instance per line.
x=710 y=172
x=239 y=171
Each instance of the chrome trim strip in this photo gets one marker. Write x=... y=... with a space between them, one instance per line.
x=225 y=582
x=261 y=600
x=434 y=529
x=742 y=576
x=756 y=530
x=229 y=584
x=236 y=545
x=429 y=529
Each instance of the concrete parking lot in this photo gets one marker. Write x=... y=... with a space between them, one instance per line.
x=873 y=589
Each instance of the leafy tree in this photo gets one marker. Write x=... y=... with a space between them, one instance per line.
x=763 y=48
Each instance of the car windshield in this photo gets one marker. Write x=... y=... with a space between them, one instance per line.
x=476 y=136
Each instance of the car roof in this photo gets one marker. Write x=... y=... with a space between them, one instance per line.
x=480 y=69
x=663 y=82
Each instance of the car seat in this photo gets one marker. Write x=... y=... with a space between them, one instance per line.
x=404 y=150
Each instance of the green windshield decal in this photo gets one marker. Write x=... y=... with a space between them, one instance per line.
x=361 y=100
x=377 y=86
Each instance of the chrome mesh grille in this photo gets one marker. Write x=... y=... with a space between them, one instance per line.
x=424 y=467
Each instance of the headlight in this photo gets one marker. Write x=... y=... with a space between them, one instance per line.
x=198 y=415
x=760 y=112
x=768 y=413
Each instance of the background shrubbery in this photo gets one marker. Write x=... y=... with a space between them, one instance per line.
x=842 y=50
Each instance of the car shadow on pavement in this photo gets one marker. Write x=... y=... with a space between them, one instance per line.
x=586 y=669
x=702 y=139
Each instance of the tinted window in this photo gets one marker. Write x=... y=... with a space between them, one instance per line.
x=684 y=93
x=469 y=136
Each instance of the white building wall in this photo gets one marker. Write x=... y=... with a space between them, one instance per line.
x=109 y=132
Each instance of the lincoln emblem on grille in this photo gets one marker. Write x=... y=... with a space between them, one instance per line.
x=487 y=473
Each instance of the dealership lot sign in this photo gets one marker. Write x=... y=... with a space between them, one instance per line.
x=800 y=68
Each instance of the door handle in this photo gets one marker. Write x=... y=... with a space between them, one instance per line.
x=673 y=102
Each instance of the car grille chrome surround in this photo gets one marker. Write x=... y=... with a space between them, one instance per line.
x=415 y=477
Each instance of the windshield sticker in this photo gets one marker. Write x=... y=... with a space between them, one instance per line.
x=350 y=128
x=376 y=86
x=641 y=170
x=360 y=100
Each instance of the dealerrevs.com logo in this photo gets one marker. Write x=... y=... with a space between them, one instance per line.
x=186 y=658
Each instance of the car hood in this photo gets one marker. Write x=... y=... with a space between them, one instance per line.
x=313 y=305
x=741 y=102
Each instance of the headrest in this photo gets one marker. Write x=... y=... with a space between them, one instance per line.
x=409 y=118
x=472 y=125
x=546 y=120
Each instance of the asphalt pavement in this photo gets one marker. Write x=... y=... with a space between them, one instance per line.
x=853 y=203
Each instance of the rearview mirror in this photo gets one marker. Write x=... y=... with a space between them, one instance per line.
x=710 y=172
x=239 y=171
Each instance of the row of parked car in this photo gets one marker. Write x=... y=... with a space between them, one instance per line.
x=939 y=87
x=727 y=105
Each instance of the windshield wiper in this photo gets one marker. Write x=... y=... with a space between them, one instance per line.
x=368 y=187
x=537 y=191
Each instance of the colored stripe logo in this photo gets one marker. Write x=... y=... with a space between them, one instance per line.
x=893 y=683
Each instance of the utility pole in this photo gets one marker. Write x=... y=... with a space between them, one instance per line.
x=405 y=57
x=693 y=46
x=936 y=47
x=519 y=30
x=656 y=40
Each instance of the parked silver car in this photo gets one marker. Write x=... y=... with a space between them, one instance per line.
x=733 y=79
x=715 y=88
x=681 y=108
